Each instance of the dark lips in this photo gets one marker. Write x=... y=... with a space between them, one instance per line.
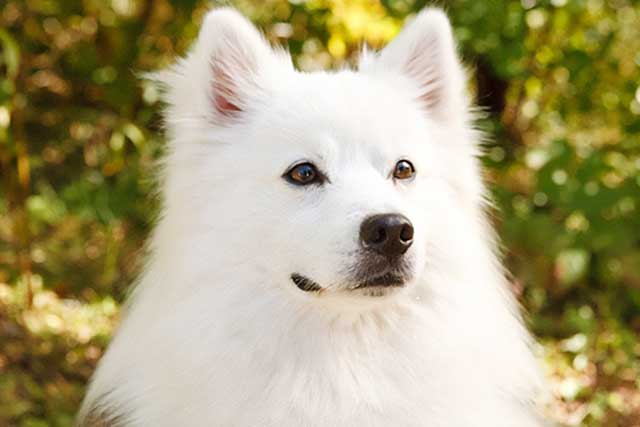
x=388 y=280
x=305 y=284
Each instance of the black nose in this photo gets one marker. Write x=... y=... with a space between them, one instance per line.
x=387 y=234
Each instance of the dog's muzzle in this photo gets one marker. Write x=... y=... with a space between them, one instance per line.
x=382 y=263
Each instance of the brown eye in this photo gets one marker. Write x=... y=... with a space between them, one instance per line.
x=404 y=170
x=304 y=174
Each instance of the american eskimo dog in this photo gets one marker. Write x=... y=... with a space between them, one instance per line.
x=322 y=258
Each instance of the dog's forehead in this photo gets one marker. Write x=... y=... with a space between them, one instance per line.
x=352 y=106
x=358 y=93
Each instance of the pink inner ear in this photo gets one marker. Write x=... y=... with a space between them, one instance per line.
x=422 y=68
x=224 y=92
x=223 y=105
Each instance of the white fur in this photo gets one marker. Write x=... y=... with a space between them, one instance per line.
x=216 y=334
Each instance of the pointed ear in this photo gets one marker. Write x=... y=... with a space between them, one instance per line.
x=425 y=52
x=238 y=62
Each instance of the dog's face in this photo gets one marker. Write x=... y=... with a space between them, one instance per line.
x=348 y=170
x=322 y=184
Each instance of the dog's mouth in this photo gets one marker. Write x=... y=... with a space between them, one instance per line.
x=387 y=280
x=305 y=284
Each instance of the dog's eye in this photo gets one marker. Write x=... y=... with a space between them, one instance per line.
x=304 y=174
x=404 y=170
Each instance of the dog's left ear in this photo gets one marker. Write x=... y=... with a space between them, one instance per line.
x=425 y=52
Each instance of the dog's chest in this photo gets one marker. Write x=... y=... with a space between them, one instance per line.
x=350 y=388
x=314 y=378
x=326 y=388
x=380 y=371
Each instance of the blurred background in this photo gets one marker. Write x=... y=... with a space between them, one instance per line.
x=79 y=135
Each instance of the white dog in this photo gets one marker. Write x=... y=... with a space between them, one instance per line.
x=322 y=258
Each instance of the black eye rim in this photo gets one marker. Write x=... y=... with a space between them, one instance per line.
x=395 y=168
x=319 y=178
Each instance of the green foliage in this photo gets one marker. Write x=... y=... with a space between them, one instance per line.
x=80 y=134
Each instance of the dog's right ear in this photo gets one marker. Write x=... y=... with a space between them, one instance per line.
x=238 y=60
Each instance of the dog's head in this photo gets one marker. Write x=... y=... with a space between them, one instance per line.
x=342 y=184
